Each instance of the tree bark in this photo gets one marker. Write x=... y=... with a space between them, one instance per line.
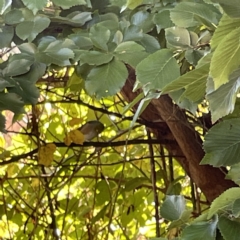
x=168 y=121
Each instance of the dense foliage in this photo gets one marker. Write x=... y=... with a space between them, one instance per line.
x=92 y=147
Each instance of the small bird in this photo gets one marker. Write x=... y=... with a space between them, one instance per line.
x=91 y=129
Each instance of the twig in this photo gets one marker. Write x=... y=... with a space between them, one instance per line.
x=154 y=186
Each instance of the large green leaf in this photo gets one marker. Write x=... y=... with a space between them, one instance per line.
x=158 y=69
x=201 y=230
x=189 y=14
x=30 y=29
x=224 y=201
x=231 y=7
x=69 y=3
x=35 y=5
x=222 y=100
x=226 y=58
x=194 y=83
x=107 y=79
x=173 y=207
x=222 y=144
x=229 y=228
x=226 y=25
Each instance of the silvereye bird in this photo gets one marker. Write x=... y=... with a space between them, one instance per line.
x=91 y=129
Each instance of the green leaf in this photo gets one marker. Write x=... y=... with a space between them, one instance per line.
x=178 y=37
x=131 y=4
x=234 y=173
x=132 y=33
x=4 y=4
x=193 y=56
x=130 y=52
x=194 y=83
x=100 y=36
x=6 y=35
x=222 y=100
x=82 y=42
x=69 y=3
x=14 y=16
x=133 y=183
x=76 y=19
x=201 y=230
x=229 y=228
x=18 y=64
x=107 y=79
x=222 y=142
x=10 y=101
x=150 y=43
x=95 y=58
x=25 y=85
x=231 y=7
x=224 y=201
x=30 y=29
x=225 y=26
x=225 y=58
x=183 y=219
x=189 y=14
x=173 y=207
x=162 y=20
x=158 y=69
x=35 y=5
x=52 y=51
x=143 y=19
x=236 y=208
x=103 y=192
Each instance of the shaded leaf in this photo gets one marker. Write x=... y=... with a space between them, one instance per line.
x=224 y=201
x=95 y=58
x=69 y=3
x=18 y=64
x=35 y=5
x=100 y=35
x=107 y=79
x=30 y=29
x=229 y=228
x=6 y=35
x=234 y=173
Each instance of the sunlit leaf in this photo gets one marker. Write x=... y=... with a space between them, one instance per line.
x=45 y=154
